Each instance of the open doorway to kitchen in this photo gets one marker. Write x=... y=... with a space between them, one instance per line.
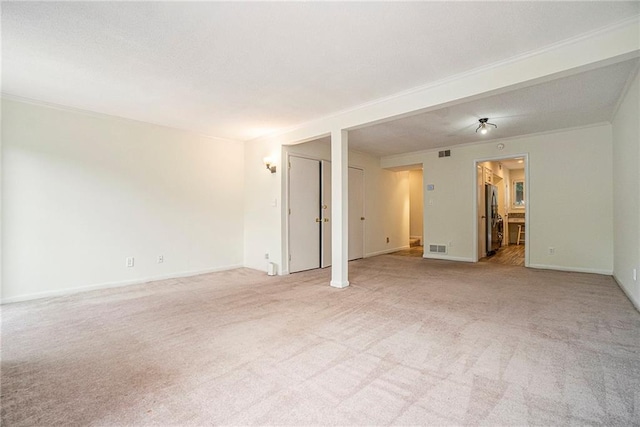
x=501 y=214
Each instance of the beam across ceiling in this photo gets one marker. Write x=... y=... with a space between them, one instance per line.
x=603 y=47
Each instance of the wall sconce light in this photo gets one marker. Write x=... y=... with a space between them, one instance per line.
x=268 y=162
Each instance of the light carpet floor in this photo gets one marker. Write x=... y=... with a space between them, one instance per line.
x=411 y=342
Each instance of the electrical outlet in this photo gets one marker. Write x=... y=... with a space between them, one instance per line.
x=130 y=261
x=266 y=255
x=635 y=274
x=552 y=250
x=160 y=259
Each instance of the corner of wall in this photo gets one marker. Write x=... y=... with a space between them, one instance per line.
x=626 y=191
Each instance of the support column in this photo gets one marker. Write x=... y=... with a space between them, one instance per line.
x=339 y=209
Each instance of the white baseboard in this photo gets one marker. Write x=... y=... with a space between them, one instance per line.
x=107 y=285
x=572 y=269
x=339 y=285
x=386 y=251
x=447 y=257
x=635 y=303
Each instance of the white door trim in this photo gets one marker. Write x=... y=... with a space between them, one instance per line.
x=526 y=202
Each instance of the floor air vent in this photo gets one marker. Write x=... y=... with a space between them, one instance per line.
x=438 y=249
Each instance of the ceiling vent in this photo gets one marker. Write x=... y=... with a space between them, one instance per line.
x=444 y=153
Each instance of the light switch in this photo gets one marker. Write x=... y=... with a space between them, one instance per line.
x=274 y=203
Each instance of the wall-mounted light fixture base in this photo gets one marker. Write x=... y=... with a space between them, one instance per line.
x=268 y=162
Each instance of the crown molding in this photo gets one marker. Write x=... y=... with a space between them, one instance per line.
x=91 y=113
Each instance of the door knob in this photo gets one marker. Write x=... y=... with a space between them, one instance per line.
x=318 y=220
x=326 y=220
x=361 y=218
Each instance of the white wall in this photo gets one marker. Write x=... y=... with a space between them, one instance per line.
x=570 y=197
x=386 y=208
x=262 y=220
x=416 y=200
x=626 y=191
x=81 y=192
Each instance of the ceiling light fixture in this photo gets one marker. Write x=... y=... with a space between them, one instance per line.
x=483 y=128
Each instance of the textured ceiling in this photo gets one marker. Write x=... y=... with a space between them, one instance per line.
x=579 y=100
x=238 y=69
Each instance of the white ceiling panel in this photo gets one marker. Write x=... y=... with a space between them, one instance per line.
x=241 y=69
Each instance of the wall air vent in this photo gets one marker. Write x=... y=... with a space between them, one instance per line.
x=444 y=153
x=437 y=249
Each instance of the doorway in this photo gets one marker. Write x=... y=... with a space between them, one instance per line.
x=310 y=213
x=416 y=212
x=501 y=210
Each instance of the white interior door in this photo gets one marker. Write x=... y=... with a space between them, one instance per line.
x=356 y=213
x=304 y=219
x=325 y=211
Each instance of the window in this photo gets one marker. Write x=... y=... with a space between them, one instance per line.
x=518 y=194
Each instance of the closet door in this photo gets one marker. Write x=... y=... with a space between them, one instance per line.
x=325 y=211
x=356 y=213
x=304 y=214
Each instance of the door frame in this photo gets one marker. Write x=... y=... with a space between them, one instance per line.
x=364 y=209
x=325 y=235
x=527 y=217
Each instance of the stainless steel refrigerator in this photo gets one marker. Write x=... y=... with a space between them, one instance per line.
x=494 y=221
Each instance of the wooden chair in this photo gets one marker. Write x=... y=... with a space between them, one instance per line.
x=520 y=234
